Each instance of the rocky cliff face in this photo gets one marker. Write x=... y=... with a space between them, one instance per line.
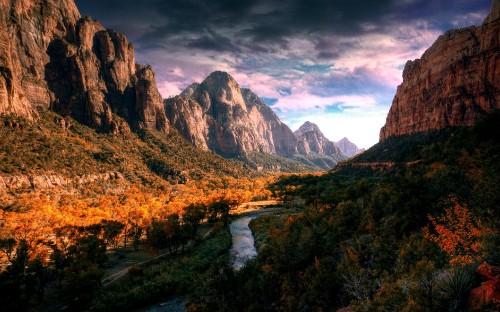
x=54 y=59
x=347 y=148
x=311 y=139
x=218 y=115
x=48 y=181
x=456 y=81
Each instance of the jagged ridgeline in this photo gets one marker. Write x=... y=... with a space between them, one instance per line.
x=220 y=116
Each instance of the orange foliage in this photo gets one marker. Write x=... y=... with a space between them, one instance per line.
x=458 y=233
x=39 y=215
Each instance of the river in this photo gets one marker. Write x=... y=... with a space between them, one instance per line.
x=243 y=250
x=243 y=243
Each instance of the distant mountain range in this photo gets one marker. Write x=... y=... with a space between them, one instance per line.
x=218 y=115
x=311 y=139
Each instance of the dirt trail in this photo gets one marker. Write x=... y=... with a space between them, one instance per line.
x=116 y=276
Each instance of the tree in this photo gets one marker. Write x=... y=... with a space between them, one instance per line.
x=111 y=230
x=458 y=233
x=218 y=211
x=193 y=214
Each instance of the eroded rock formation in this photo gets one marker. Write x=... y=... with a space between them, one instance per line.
x=54 y=59
x=455 y=81
x=311 y=139
x=218 y=115
x=48 y=181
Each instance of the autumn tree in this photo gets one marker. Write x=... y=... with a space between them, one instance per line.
x=457 y=232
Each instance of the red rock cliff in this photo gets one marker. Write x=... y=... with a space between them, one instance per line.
x=51 y=58
x=456 y=81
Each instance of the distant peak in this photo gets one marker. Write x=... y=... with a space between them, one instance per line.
x=219 y=80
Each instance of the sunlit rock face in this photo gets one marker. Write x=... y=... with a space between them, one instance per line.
x=455 y=81
x=220 y=116
x=54 y=59
x=311 y=139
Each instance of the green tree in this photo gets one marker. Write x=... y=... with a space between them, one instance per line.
x=218 y=211
x=193 y=215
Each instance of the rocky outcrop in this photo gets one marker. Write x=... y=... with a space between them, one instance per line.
x=54 y=59
x=455 y=81
x=48 y=181
x=347 y=148
x=311 y=139
x=489 y=291
x=218 y=115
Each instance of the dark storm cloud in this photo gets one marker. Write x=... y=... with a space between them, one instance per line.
x=212 y=41
x=259 y=21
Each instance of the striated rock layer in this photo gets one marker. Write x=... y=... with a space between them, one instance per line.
x=455 y=81
x=48 y=181
x=218 y=115
x=54 y=59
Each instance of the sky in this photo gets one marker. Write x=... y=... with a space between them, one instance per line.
x=336 y=63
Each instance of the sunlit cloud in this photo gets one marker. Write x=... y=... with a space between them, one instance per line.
x=333 y=63
x=305 y=101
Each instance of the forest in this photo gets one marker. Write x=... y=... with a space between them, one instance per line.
x=401 y=227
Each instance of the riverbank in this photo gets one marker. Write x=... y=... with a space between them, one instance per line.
x=174 y=276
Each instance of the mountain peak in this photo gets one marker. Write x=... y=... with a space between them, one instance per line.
x=220 y=75
x=220 y=79
x=220 y=116
x=311 y=139
x=307 y=127
x=348 y=148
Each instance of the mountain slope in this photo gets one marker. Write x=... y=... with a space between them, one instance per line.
x=454 y=82
x=57 y=152
x=54 y=59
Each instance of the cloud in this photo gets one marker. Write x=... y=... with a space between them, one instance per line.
x=317 y=58
x=307 y=102
x=168 y=89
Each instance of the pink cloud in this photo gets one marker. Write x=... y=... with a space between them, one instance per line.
x=305 y=101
